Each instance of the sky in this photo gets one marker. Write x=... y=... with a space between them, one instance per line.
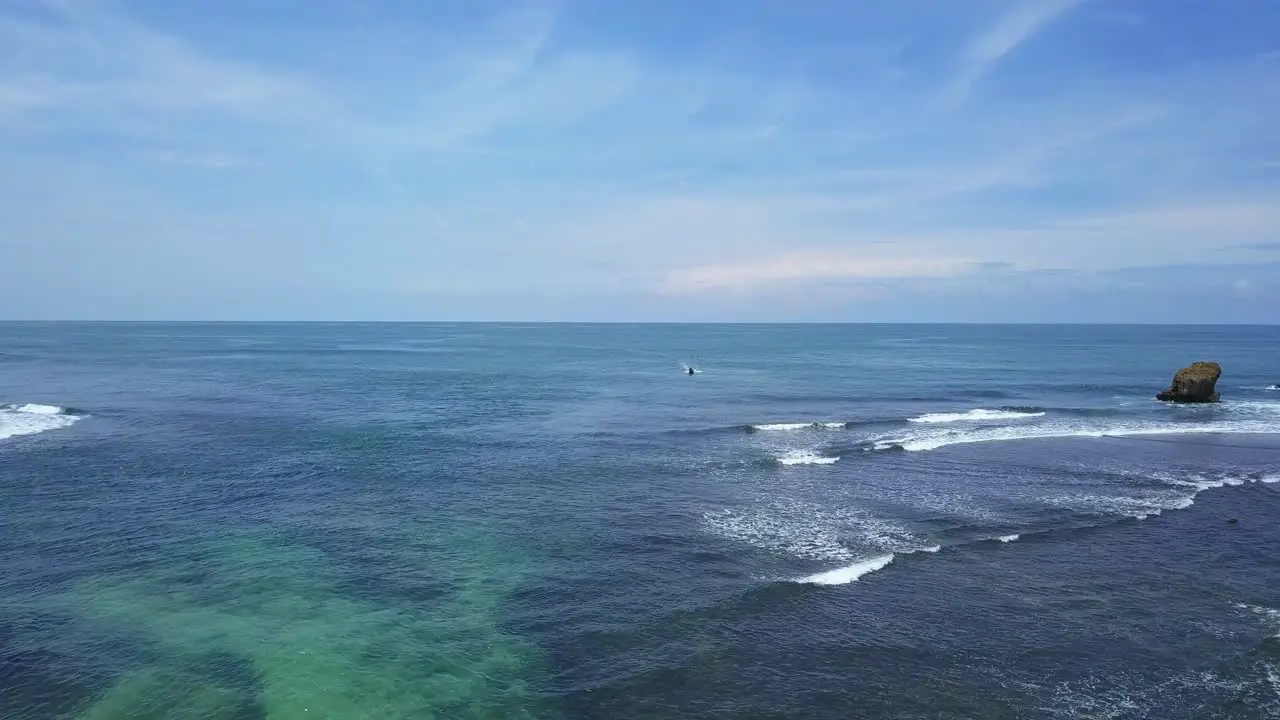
x=666 y=160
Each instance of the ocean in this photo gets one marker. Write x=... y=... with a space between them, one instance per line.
x=349 y=521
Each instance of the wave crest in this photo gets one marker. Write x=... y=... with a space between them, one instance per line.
x=806 y=457
x=33 y=418
x=978 y=415
x=792 y=427
x=36 y=409
x=849 y=573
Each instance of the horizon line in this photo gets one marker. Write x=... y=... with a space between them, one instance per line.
x=635 y=322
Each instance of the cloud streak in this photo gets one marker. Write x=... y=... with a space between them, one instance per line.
x=486 y=151
x=790 y=269
x=985 y=52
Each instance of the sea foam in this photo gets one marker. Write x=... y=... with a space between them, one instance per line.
x=792 y=427
x=932 y=441
x=1271 y=616
x=806 y=457
x=31 y=419
x=979 y=415
x=940 y=430
x=784 y=427
x=34 y=409
x=849 y=573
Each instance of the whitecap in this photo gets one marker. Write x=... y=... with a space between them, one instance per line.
x=35 y=409
x=1180 y=495
x=784 y=427
x=979 y=415
x=1201 y=483
x=1009 y=538
x=812 y=531
x=792 y=427
x=31 y=419
x=925 y=441
x=849 y=573
x=806 y=457
x=1269 y=615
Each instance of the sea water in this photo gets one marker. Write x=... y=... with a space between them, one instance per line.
x=557 y=521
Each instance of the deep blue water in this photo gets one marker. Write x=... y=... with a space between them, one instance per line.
x=554 y=521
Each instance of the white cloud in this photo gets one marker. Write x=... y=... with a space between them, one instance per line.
x=986 y=51
x=800 y=268
x=1240 y=218
x=94 y=67
x=508 y=156
x=204 y=161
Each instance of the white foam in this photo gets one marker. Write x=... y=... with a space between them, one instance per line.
x=979 y=415
x=35 y=409
x=1180 y=495
x=1139 y=508
x=932 y=549
x=806 y=457
x=934 y=440
x=792 y=427
x=1265 y=407
x=1274 y=387
x=784 y=427
x=1009 y=538
x=811 y=531
x=1271 y=616
x=1201 y=483
x=32 y=419
x=849 y=573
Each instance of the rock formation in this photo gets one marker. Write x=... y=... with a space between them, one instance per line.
x=1194 y=384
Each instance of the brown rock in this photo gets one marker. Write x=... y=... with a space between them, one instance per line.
x=1194 y=384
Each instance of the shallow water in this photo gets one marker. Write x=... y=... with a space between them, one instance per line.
x=474 y=521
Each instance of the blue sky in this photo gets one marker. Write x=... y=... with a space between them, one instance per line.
x=746 y=160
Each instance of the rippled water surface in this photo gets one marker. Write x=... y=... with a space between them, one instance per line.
x=555 y=521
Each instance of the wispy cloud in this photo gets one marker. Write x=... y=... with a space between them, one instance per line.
x=986 y=51
x=141 y=80
x=203 y=161
x=489 y=151
x=809 y=267
x=1237 y=218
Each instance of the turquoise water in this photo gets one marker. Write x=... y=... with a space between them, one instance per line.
x=555 y=521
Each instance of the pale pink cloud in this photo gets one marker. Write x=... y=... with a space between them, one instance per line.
x=808 y=267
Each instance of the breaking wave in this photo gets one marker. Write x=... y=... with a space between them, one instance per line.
x=1270 y=616
x=979 y=415
x=1243 y=417
x=792 y=427
x=806 y=457
x=849 y=573
x=32 y=418
x=858 y=541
